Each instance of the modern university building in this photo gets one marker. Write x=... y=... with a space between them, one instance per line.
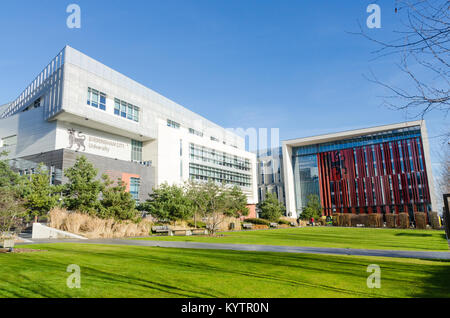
x=373 y=170
x=77 y=105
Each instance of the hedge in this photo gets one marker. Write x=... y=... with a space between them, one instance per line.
x=421 y=220
x=434 y=220
x=391 y=220
x=403 y=219
x=257 y=221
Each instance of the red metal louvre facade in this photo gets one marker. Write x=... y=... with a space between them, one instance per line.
x=384 y=177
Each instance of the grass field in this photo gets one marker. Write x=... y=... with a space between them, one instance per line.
x=132 y=271
x=362 y=238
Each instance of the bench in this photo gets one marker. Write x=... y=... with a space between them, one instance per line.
x=247 y=226
x=199 y=232
x=161 y=229
x=180 y=232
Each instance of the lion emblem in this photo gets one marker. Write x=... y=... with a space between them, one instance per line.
x=76 y=139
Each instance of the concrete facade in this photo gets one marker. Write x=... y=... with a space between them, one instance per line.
x=150 y=137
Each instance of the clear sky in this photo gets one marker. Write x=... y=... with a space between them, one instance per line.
x=291 y=65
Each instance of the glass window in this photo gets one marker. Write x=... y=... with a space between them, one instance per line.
x=96 y=99
x=136 y=114
x=135 y=184
x=130 y=111
x=136 y=150
x=102 y=104
x=173 y=124
x=116 y=107
x=123 y=109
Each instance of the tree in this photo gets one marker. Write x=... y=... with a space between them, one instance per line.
x=235 y=202
x=10 y=178
x=422 y=45
x=116 y=202
x=12 y=210
x=83 y=189
x=169 y=203
x=313 y=208
x=42 y=196
x=271 y=209
x=214 y=202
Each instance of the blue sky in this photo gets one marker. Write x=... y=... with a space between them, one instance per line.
x=249 y=63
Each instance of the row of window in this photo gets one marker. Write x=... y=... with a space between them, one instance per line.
x=195 y=132
x=96 y=99
x=200 y=172
x=174 y=124
x=371 y=139
x=205 y=154
x=123 y=109
x=126 y=110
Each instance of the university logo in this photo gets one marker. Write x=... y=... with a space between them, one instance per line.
x=76 y=139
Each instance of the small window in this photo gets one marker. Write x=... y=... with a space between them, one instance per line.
x=136 y=114
x=173 y=124
x=102 y=104
x=96 y=99
x=116 y=107
x=123 y=109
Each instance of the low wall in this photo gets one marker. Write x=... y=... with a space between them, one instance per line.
x=41 y=231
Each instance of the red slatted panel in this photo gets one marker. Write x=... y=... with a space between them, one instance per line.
x=327 y=180
x=396 y=189
x=345 y=172
x=379 y=159
x=337 y=196
x=387 y=190
x=396 y=154
x=322 y=199
x=415 y=188
x=369 y=192
x=404 y=180
x=352 y=191
x=369 y=158
x=361 y=195
x=387 y=158
x=378 y=191
x=361 y=160
x=405 y=156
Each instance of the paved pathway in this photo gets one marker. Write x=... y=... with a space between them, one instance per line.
x=257 y=248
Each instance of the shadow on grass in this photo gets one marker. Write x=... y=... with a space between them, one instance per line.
x=414 y=234
x=438 y=281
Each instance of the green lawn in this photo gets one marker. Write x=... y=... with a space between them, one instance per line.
x=362 y=238
x=133 y=271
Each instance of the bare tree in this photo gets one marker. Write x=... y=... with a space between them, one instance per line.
x=422 y=46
